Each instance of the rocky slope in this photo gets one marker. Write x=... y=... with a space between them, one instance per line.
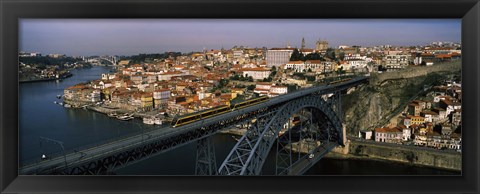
x=373 y=105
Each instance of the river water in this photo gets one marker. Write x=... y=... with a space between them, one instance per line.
x=39 y=117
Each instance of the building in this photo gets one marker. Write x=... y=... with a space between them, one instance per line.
x=168 y=75
x=160 y=98
x=357 y=64
x=106 y=76
x=297 y=66
x=429 y=116
x=456 y=117
x=262 y=88
x=395 y=62
x=388 y=135
x=257 y=73
x=278 y=56
x=316 y=66
x=416 y=120
x=95 y=96
x=321 y=45
x=414 y=109
x=365 y=134
x=450 y=105
x=237 y=54
x=277 y=91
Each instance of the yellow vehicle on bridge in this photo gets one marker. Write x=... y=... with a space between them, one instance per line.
x=190 y=118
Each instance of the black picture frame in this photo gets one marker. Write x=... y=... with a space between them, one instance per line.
x=11 y=11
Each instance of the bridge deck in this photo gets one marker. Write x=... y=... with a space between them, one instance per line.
x=303 y=165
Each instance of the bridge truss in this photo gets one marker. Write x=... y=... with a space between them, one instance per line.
x=322 y=130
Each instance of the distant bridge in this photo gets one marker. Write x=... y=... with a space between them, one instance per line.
x=111 y=59
x=315 y=129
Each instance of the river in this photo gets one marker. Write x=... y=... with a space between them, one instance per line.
x=39 y=117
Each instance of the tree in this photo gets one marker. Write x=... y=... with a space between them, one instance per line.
x=340 y=71
x=310 y=78
x=330 y=53
x=341 y=55
x=313 y=56
x=296 y=56
x=291 y=87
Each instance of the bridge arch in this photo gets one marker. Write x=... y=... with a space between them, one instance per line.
x=251 y=151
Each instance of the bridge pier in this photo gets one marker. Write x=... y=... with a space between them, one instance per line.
x=206 y=161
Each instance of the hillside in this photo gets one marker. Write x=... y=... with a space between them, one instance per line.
x=373 y=105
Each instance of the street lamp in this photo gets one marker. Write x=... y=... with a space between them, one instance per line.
x=60 y=143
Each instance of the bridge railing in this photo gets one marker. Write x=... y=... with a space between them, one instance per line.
x=79 y=149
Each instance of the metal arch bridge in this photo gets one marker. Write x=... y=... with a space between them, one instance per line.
x=316 y=135
x=110 y=59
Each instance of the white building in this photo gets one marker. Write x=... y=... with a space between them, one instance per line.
x=161 y=94
x=256 y=73
x=160 y=98
x=277 y=91
x=297 y=66
x=278 y=56
x=365 y=134
x=106 y=76
x=407 y=134
x=237 y=54
x=313 y=65
x=357 y=64
x=262 y=88
x=389 y=135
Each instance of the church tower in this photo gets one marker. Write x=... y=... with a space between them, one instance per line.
x=303 y=43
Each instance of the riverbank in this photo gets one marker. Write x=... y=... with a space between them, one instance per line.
x=416 y=156
x=385 y=152
x=45 y=79
x=109 y=110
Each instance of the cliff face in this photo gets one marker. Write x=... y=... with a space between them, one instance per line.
x=373 y=105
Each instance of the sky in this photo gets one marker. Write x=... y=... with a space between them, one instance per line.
x=87 y=37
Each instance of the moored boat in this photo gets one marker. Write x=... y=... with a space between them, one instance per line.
x=148 y=120
x=124 y=118
x=157 y=121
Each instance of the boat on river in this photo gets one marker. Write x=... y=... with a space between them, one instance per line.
x=148 y=120
x=124 y=118
x=157 y=120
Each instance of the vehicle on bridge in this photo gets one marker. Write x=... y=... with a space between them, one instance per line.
x=190 y=118
x=339 y=81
